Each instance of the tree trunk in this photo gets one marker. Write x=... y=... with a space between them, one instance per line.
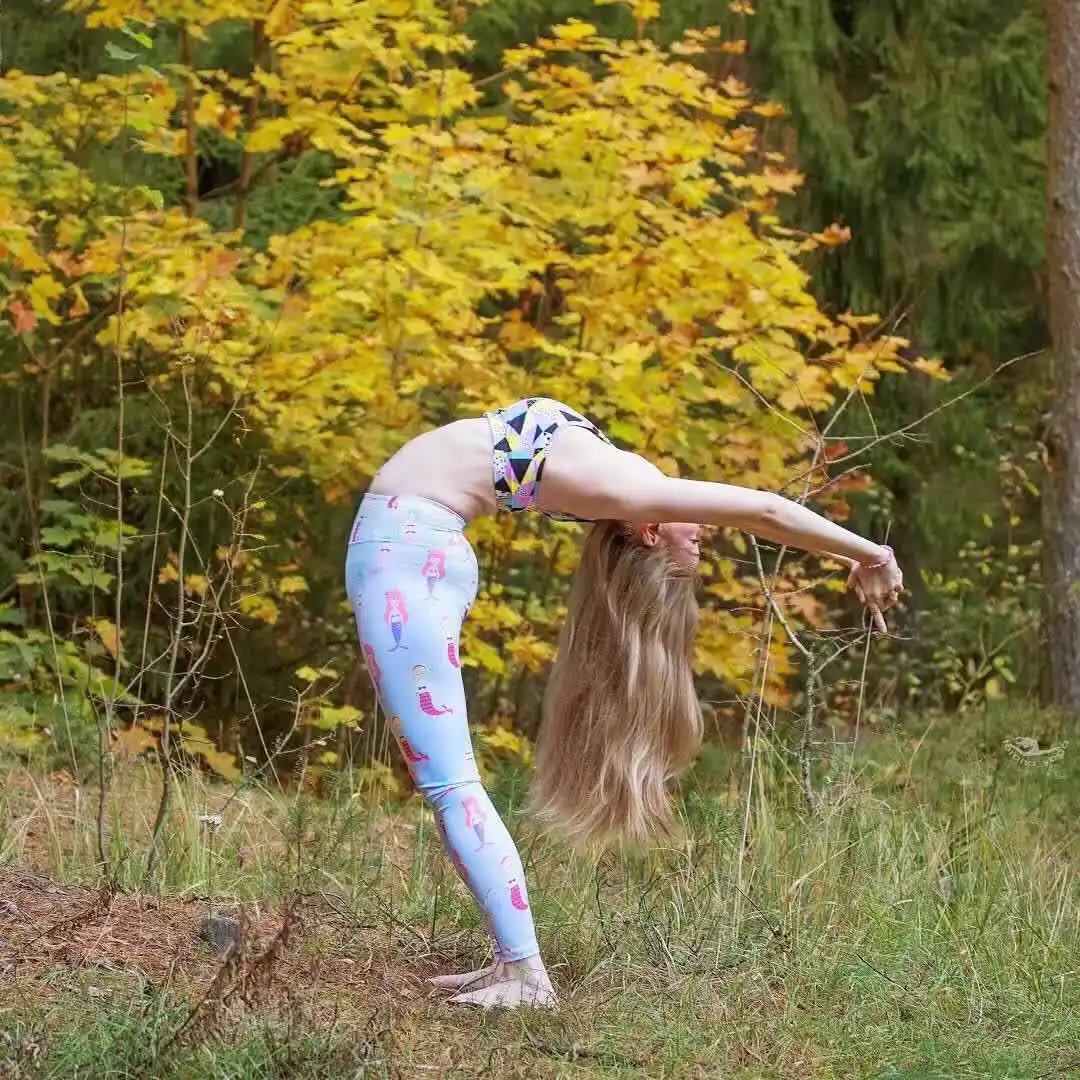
x=191 y=167
x=1061 y=497
x=258 y=63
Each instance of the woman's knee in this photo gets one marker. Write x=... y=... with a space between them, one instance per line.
x=442 y=797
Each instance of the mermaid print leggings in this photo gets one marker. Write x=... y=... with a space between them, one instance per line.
x=411 y=578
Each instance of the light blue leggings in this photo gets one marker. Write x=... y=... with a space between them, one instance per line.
x=411 y=577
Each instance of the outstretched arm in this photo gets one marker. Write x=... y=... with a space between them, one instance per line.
x=594 y=480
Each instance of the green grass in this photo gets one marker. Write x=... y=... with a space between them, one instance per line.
x=923 y=923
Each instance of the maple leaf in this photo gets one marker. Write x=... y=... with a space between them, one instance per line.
x=23 y=318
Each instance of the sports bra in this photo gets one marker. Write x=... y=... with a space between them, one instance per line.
x=521 y=434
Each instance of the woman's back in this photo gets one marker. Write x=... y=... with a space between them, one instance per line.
x=450 y=465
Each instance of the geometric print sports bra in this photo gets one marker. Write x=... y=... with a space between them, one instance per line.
x=520 y=435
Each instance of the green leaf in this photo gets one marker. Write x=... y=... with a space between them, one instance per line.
x=73 y=476
x=116 y=53
x=131 y=467
x=329 y=718
x=59 y=537
x=11 y=616
x=628 y=433
x=106 y=533
x=58 y=506
x=143 y=39
x=63 y=452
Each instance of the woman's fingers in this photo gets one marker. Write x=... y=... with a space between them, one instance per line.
x=878 y=588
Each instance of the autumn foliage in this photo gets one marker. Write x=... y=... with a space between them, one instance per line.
x=601 y=224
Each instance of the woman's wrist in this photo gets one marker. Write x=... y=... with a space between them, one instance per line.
x=883 y=558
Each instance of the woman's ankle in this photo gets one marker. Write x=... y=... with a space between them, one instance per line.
x=531 y=968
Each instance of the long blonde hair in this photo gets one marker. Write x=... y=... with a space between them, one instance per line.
x=621 y=715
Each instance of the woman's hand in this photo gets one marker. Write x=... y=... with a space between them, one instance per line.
x=877 y=584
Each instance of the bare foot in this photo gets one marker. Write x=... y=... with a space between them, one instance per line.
x=511 y=993
x=473 y=980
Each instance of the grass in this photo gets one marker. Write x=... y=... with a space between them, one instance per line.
x=923 y=923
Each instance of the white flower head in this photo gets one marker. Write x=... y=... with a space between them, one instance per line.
x=213 y=820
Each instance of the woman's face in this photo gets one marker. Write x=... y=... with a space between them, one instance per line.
x=683 y=541
x=681 y=538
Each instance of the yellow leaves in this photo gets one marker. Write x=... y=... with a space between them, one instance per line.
x=435 y=95
x=517 y=336
x=270 y=134
x=417 y=328
x=769 y=109
x=20 y=250
x=781 y=181
x=506 y=743
x=42 y=289
x=209 y=107
x=132 y=741
x=329 y=718
x=530 y=652
x=378 y=779
x=69 y=231
x=741 y=141
x=427 y=264
x=521 y=56
x=310 y=674
x=803 y=604
x=643 y=10
x=292 y=584
x=734 y=87
x=194 y=740
x=934 y=368
x=260 y=607
x=834 y=235
x=212 y=111
x=574 y=31
x=478 y=653
x=282 y=18
x=79 y=307
x=494 y=615
x=108 y=635
x=631 y=355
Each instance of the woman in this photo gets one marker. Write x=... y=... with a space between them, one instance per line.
x=621 y=715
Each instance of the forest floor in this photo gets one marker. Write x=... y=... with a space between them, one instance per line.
x=923 y=923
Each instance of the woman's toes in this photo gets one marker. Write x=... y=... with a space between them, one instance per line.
x=471 y=979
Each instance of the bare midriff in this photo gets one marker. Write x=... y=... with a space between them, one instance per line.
x=449 y=465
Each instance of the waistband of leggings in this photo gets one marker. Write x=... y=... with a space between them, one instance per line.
x=405 y=508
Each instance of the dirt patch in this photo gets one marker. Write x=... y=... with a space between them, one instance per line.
x=312 y=946
x=43 y=924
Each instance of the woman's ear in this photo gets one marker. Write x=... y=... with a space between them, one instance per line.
x=649 y=534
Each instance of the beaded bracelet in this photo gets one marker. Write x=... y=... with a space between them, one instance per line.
x=884 y=562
